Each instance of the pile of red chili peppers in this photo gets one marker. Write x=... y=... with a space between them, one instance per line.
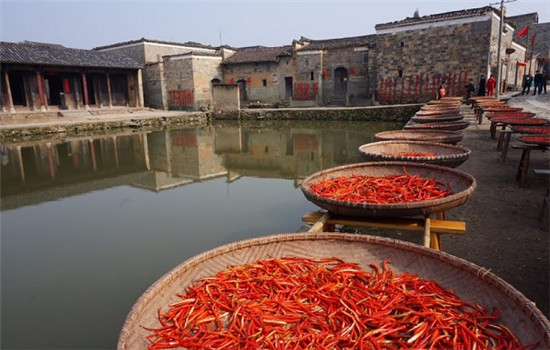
x=410 y=154
x=543 y=140
x=300 y=303
x=390 y=189
x=532 y=129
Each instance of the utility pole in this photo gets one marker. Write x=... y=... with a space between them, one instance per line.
x=501 y=28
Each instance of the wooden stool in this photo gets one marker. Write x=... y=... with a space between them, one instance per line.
x=324 y=221
x=523 y=167
x=504 y=142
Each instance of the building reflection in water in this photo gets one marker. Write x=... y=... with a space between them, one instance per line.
x=41 y=171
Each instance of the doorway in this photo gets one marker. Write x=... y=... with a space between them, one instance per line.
x=341 y=81
x=289 y=92
x=53 y=88
x=242 y=90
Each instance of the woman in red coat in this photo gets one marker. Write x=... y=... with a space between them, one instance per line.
x=491 y=82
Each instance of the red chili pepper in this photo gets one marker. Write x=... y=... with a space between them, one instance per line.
x=300 y=303
x=384 y=190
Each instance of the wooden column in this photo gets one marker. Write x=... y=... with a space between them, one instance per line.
x=85 y=91
x=139 y=89
x=109 y=95
x=8 y=92
x=41 y=96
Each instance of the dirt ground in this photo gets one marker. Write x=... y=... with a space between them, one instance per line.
x=503 y=232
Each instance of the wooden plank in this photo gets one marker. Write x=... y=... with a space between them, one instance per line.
x=320 y=223
x=542 y=171
x=409 y=224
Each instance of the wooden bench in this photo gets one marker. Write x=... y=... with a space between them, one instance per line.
x=324 y=221
x=521 y=175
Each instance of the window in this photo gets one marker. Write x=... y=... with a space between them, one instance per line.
x=400 y=72
x=312 y=75
x=402 y=44
x=365 y=57
x=264 y=82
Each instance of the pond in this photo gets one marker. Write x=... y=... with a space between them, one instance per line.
x=88 y=224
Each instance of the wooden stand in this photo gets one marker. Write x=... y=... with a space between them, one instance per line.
x=521 y=175
x=324 y=221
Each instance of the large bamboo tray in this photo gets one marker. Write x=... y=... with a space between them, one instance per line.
x=436 y=118
x=436 y=112
x=446 y=155
x=461 y=184
x=453 y=126
x=441 y=136
x=471 y=282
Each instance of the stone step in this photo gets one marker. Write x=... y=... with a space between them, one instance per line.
x=77 y=113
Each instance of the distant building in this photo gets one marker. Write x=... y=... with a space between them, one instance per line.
x=44 y=77
x=403 y=62
x=160 y=86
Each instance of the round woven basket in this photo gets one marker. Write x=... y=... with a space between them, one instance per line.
x=508 y=114
x=469 y=281
x=461 y=184
x=453 y=126
x=437 y=118
x=522 y=121
x=441 y=136
x=503 y=109
x=441 y=109
x=447 y=155
x=535 y=139
x=532 y=129
x=436 y=113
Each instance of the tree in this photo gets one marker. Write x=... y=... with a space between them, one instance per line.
x=416 y=14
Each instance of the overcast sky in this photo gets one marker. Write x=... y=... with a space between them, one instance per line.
x=89 y=24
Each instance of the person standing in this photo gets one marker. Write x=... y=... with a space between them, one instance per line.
x=470 y=89
x=527 y=79
x=441 y=92
x=482 y=87
x=491 y=82
x=538 y=82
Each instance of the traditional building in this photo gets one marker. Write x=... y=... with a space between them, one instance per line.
x=152 y=54
x=443 y=48
x=262 y=74
x=44 y=77
x=404 y=62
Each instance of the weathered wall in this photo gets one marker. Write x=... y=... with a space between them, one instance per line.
x=353 y=60
x=205 y=69
x=153 y=86
x=188 y=80
x=225 y=97
x=308 y=79
x=260 y=85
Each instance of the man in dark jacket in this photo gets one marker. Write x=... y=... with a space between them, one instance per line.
x=527 y=78
x=538 y=83
x=482 y=88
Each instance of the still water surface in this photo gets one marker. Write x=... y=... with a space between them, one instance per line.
x=87 y=225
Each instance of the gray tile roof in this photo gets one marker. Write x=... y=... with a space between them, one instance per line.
x=438 y=17
x=328 y=44
x=256 y=54
x=57 y=55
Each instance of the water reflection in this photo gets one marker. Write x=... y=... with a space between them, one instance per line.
x=165 y=159
x=89 y=223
